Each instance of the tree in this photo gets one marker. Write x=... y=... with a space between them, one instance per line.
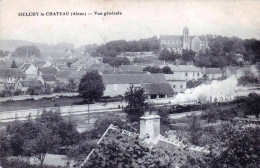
x=91 y=87
x=69 y=64
x=72 y=85
x=188 y=55
x=239 y=147
x=35 y=90
x=135 y=99
x=42 y=143
x=167 y=70
x=27 y=51
x=14 y=65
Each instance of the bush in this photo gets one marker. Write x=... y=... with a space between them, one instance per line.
x=35 y=90
x=17 y=92
x=240 y=147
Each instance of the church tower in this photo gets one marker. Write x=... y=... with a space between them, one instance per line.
x=186 y=38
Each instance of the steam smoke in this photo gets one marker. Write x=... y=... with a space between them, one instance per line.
x=216 y=91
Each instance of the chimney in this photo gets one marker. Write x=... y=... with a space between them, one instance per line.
x=150 y=127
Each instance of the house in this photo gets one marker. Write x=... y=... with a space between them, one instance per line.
x=229 y=71
x=118 y=84
x=178 y=84
x=177 y=43
x=30 y=70
x=187 y=72
x=157 y=90
x=24 y=85
x=148 y=139
x=213 y=73
x=48 y=71
x=47 y=79
x=68 y=74
x=8 y=76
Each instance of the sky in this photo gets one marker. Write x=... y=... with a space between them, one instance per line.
x=139 y=19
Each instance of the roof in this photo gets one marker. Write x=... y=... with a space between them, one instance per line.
x=62 y=66
x=48 y=78
x=73 y=74
x=213 y=71
x=172 y=77
x=25 y=66
x=193 y=84
x=183 y=68
x=171 y=146
x=133 y=78
x=28 y=83
x=171 y=37
x=233 y=69
x=14 y=72
x=48 y=70
x=131 y=68
x=158 y=88
x=100 y=65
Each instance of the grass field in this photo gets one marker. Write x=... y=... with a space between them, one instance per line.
x=42 y=103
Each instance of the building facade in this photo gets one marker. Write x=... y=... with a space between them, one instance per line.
x=177 y=43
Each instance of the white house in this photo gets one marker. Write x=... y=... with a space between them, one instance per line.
x=8 y=76
x=178 y=84
x=24 y=85
x=47 y=79
x=30 y=70
x=213 y=73
x=187 y=72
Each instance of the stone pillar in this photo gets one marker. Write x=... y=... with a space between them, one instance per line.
x=149 y=127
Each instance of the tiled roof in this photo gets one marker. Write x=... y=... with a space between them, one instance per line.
x=48 y=78
x=31 y=83
x=158 y=88
x=48 y=70
x=172 y=77
x=131 y=68
x=71 y=74
x=25 y=66
x=14 y=72
x=133 y=78
x=62 y=66
x=171 y=37
x=213 y=71
x=183 y=68
x=193 y=84
x=233 y=69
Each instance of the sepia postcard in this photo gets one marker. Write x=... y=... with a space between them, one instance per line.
x=129 y=83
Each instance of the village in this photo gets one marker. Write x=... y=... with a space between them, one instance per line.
x=129 y=84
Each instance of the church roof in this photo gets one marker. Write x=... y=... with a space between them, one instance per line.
x=171 y=37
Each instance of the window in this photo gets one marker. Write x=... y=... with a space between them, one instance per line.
x=174 y=86
x=198 y=74
x=180 y=86
x=186 y=74
x=193 y=74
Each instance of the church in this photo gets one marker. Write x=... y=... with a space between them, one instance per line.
x=177 y=43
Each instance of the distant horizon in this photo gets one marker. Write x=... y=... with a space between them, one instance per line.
x=75 y=46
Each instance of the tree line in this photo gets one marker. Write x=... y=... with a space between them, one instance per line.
x=224 y=51
x=113 y=48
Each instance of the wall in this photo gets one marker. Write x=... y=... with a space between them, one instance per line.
x=178 y=84
x=31 y=72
